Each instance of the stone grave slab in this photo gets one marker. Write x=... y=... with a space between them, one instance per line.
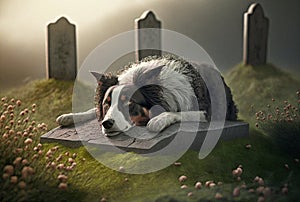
x=141 y=140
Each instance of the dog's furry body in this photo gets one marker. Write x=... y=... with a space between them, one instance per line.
x=156 y=93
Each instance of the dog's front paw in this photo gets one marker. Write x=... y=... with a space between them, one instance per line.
x=65 y=120
x=162 y=121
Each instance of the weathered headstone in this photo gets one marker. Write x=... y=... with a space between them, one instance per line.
x=256 y=27
x=148 y=41
x=61 y=50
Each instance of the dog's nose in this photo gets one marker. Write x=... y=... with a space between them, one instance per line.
x=108 y=124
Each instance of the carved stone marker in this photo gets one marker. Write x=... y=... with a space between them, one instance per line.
x=147 y=143
x=148 y=41
x=256 y=27
x=61 y=50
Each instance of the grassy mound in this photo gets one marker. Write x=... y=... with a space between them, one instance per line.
x=257 y=156
x=52 y=98
x=253 y=87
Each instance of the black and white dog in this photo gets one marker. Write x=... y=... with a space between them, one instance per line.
x=155 y=93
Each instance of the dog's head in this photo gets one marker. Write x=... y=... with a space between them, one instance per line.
x=123 y=105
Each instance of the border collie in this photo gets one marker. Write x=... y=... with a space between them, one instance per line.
x=155 y=93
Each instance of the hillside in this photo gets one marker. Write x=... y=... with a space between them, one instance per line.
x=254 y=87
x=92 y=180
x=52 y=98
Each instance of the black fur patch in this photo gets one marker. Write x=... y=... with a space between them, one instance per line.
x=104 y=82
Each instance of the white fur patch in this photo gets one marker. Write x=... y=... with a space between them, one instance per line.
x=68 y=119
x=120 y=123
x=177 y=88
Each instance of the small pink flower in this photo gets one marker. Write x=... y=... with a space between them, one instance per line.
x=10 y=107
x=248 y=146
x=13 y=179
x=207 y=183
x=261 y=181
x=27 y=171
x=285 y=190
x=17 y=161
x=22 y=185
x=25 y=134
x=261 y=199
x=61 y=166
x=2 y=118
x=59 y=158
x=63 y=186
x=211 y=185
x=28 y=141
x=198 y=185
x=5 y=176
x=70 y=160
x=177 y=164
x=121 y=169
x=62 y=178
x=236 y=192
x=218 y=196
x=18 y=102
x=103 y=200
x=74 y=165
x=286 y=166
x=53 y=165
x=25 y=162
x=5 y=136
x=184 y=186
x=9 y=169
x=260 y=189
x=182 y=178
x=49 y=153
x=35 y=156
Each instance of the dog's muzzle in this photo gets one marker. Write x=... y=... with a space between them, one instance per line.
x=108 y=124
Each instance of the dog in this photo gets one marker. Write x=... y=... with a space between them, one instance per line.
x=156 y=93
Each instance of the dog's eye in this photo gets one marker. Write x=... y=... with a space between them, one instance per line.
x=107 y=101
x=105 y=107
x=134 y=109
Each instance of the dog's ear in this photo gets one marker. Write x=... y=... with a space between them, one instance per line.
x=104 y=82
x=105 y=78
x=148 y=77
x=97 y=75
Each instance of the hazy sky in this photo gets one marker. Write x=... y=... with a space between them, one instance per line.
x=215 y=24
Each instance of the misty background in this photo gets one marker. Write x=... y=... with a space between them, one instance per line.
x=216 y=25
